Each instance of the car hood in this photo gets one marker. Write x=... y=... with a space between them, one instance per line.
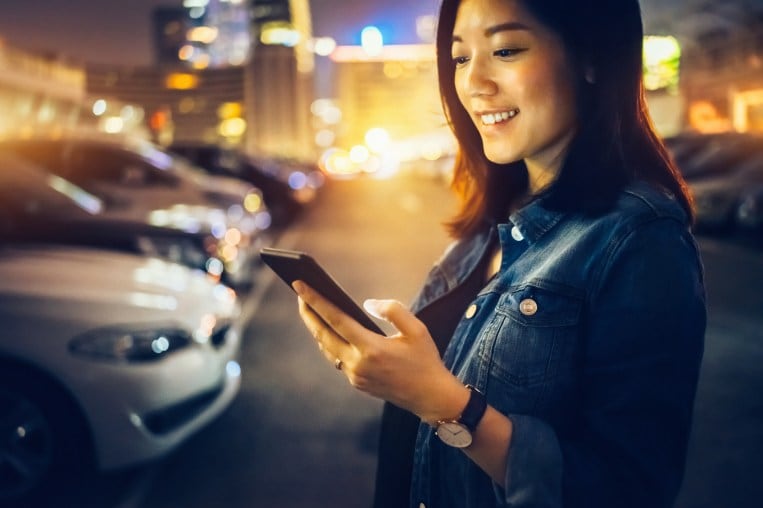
x=99 y=285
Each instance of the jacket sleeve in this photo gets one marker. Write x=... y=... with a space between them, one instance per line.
x=643 y=336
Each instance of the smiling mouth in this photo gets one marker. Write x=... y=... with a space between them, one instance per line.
x=500 y=117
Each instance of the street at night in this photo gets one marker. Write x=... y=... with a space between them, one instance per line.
x=149 y=151
x=299 y=436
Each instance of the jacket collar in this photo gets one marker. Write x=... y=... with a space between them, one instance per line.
x=534 y=220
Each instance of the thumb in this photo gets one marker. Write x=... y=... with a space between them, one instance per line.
x=396 y=313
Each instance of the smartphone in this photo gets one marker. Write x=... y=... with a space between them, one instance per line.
x=291 y=265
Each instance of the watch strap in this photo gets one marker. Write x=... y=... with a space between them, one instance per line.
x=474 y=410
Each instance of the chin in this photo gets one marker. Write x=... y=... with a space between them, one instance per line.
x=501 y=158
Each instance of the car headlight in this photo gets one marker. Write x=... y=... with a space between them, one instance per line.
x=128 y=344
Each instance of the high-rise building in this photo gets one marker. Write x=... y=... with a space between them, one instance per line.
x=279 y=79
x=234 y=72
x=170 y=25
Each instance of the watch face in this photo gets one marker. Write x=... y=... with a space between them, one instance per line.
x=454 y=434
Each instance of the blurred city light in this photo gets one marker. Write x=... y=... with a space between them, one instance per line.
x=662 y=55
x=359 y=154
x=186 y=52
x=113 y=125
x=426 y=28
x=743 y=102
x=327 y=111
x=336 y=161
x=99 y=107
x=232 y=127
x=325 y=138
x=202 y=34
x=431 y=151
x=322 y=46
x=181 y=81
x=202 y=62
x=279 y=33
x=371 y=40
x=252 y=202
x=377 y=139
x=196 y=12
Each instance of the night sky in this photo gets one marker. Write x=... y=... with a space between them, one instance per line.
x=119 y=31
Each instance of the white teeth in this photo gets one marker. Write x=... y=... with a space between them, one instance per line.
x=494 y=118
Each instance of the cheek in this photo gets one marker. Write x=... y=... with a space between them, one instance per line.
x=461 y=92
x=550 y=94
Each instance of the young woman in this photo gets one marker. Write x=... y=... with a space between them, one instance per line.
x=570 y=310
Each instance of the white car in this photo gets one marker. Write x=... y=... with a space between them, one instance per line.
x=140 y=182
x=106 y=360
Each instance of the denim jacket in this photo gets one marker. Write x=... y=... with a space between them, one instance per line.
x=590 y=340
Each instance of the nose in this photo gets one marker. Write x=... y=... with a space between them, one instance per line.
x=478 y=80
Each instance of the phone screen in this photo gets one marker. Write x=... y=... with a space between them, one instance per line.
x=291 y=265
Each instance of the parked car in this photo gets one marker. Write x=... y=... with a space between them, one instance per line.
x=683 y=146
x=107 y=360
x=139 y=182
x=286 y=191
x=701 y=156
x=37 y=207
x=720 y=200
x=124 y=170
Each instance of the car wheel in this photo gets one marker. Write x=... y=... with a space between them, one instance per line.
x=44 y=444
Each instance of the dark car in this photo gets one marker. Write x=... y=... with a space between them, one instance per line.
x=726 y=202
x=710 y=155
x=285 y=188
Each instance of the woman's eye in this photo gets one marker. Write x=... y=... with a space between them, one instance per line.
x=460 y=60
x=508 y=52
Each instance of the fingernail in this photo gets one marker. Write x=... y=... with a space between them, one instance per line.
x=372 y=307
x=298 y=287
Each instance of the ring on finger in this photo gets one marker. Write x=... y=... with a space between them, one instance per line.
x=338 y=364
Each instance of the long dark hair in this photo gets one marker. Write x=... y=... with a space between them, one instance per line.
x=616 y=141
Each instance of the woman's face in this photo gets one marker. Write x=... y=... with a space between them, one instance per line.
x=514 y=79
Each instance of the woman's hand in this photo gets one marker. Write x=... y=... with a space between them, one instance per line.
x=404 y=369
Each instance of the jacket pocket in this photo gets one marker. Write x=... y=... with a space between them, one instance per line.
x=528 y=342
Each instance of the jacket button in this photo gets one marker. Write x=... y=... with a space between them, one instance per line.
x=516 y=234
x=471 y=311
x=528 y=307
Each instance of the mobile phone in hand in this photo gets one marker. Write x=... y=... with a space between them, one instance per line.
x=291 y=265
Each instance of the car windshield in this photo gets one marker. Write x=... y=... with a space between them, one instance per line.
x=28 y=192
x=168 y=161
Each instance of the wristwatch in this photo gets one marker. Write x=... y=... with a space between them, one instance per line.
x=458 y=433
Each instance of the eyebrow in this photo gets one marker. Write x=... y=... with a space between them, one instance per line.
x=503 y=27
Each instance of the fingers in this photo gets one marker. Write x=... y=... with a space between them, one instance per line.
x=329 y=343
x=339 y=322
x=397 y=314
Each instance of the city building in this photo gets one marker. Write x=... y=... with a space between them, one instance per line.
x=241 y=74
x=179 y=103
x=170 y=25
x=41 y=94
x=279 y=79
